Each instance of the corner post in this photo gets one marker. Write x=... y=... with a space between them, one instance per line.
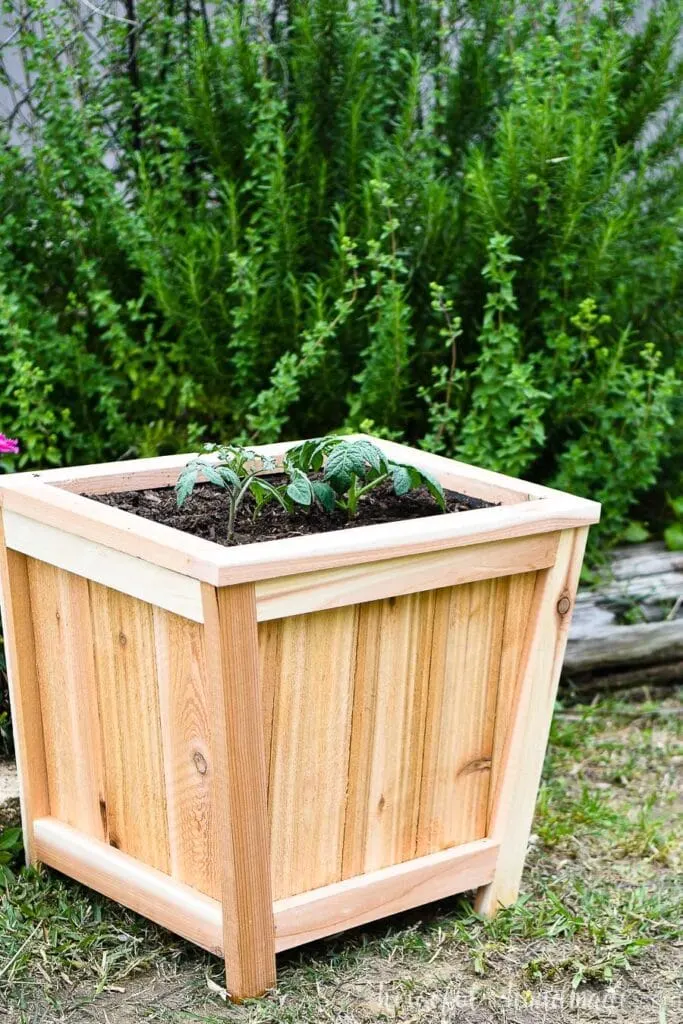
x=513 y=803
x=24 y=693
x=240 y=788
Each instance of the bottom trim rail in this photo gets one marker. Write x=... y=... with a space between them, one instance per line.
x=149 y=892
x=364 y=898
x=297 y=919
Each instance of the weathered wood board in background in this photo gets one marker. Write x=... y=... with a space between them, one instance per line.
x=629 y=629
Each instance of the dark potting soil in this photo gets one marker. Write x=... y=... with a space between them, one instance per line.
x=205 y=513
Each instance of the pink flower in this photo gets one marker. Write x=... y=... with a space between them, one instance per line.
x=8 y=446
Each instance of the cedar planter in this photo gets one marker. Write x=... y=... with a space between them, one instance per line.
x=261 y=745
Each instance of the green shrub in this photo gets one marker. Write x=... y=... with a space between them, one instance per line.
x=460 y=220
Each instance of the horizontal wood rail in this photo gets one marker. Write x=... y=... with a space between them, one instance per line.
x=356 y=901
x=298 y=919
x=356 y=584
x=149 y=892
x=124 y=573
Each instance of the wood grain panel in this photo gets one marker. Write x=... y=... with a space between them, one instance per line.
x=24 y=691
x=68 y=696
x=270 y=640
x=518 y=617
x=135 y=800
x=456 y=768
x=188 y=761
x=390 y=702
x=313 y=684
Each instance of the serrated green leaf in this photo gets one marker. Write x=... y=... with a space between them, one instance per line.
x=401 y=479
x=297 y=456
x=324 y=494
x=299 y=488
x=412 y=477
x=213 y=474
x=308 y=456
x=185 y=483
x=343 y=463
x=434 y=488
x=229 y=477
x=369 y=453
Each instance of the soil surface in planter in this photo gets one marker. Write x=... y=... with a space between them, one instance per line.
x=205 y=513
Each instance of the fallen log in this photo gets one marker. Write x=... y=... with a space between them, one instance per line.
x=646 y=643
x=628 y=631
x=652 y=677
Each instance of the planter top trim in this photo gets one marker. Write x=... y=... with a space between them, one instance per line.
x=58 y=498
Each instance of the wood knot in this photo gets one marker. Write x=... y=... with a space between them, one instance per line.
x=123 y=639
x=563 y=605
x=382 y=802
x=58 y=616
x=200 y=762
x=479 y=764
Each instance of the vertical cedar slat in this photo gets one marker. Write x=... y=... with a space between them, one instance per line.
x=524 y=749
x=135 y=801
x=463 y=679
x=239 y=759
x=68 y=696
x=516 y=627
x=390 y=701
x=312 y=680
x=24 y=690
x=188 y=761
x=270 y=636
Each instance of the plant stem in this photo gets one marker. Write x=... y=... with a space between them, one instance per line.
x=237 y=501
x=355 y=495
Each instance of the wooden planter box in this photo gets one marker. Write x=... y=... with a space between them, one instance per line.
x=259 y=746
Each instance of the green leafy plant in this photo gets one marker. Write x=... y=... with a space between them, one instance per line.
x=332 y=472
x=236 y=470
x=257 y=221
x=447 y=380
x=350 y=468
x=11 y=849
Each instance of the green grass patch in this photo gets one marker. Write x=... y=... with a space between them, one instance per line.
x=601 y=903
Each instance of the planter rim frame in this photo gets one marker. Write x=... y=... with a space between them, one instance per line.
x=525 y=509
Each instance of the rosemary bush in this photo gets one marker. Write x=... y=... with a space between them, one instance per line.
x=459 y=220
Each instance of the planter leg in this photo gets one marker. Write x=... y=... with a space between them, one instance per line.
x=241 y=789
x=23 y=691
x=512 y=807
